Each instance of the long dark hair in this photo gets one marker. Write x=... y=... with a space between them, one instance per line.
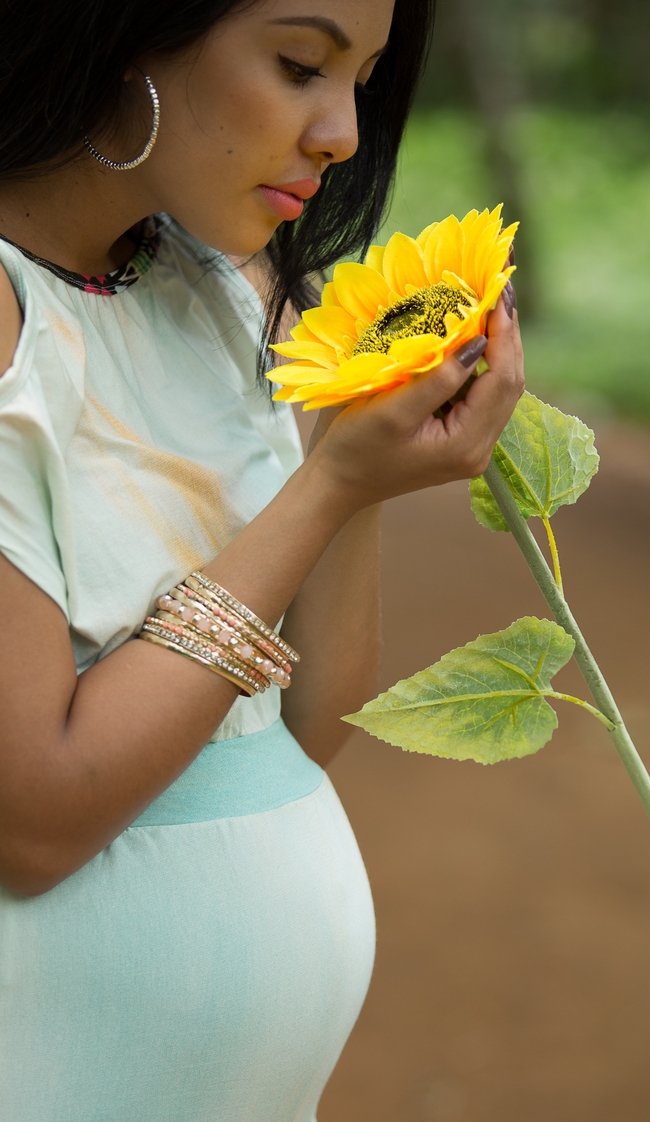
x=62 y=64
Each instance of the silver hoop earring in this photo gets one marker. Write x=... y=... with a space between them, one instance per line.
x=128 y=164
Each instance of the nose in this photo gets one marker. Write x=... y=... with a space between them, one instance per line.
x=334 y=136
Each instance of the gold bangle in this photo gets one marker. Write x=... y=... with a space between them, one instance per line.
x=208 y=645
x=213 y=652
x=195 y=609
x=241 y=632
x=181 y=645
x=242 y=610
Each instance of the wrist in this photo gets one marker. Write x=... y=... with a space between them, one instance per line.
x=332 y=493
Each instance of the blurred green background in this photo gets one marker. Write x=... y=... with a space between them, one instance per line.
x=545 y=105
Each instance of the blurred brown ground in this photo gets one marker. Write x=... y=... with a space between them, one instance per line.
x=512 y=981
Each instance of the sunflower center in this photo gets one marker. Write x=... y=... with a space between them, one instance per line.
x=421 y=313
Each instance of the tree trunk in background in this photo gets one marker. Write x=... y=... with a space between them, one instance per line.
x=488 y=41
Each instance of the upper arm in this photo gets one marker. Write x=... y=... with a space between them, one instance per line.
x=11 y=322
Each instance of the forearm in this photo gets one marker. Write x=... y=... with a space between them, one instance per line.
x=334 y=622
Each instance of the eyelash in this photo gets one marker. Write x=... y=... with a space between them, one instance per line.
x=299 y=74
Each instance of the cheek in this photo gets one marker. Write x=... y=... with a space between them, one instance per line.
x=242 y=110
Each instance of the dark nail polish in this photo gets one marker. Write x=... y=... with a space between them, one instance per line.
x=510 y=298
x=471 y=352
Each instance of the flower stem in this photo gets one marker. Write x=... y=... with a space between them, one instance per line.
x=591 y=672
x=557 y=572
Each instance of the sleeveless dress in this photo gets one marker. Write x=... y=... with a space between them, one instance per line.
x=209 y=964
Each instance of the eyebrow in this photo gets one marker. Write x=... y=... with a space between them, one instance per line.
x=322 y=23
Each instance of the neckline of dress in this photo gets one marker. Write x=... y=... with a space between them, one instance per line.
x=146 y=236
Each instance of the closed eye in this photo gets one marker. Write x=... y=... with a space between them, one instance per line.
x=297 y=72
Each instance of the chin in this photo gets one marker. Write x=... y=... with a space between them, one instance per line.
x=242 y=239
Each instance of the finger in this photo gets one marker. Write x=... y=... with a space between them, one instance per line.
x=419 y=398
x=500 y=353
x=519 y=354
x=492 y=397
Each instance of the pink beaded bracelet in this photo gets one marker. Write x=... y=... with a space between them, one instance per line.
x=201 y=620
x=215 y=630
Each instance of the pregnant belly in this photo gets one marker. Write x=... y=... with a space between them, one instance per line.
x=199 y=972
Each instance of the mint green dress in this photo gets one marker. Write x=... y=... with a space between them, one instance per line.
x=208 y=965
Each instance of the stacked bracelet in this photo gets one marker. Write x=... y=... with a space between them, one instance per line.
x=202 y=621
x=154 y=632
x=241 y=610
x=218 y=620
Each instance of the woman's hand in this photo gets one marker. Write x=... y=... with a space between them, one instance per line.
x=391 y=443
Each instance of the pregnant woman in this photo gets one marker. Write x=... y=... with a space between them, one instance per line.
x=186 y=928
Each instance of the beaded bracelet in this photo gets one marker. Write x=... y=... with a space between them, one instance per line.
x=209 y=618
x=202 y=621
x=211 y=652
x=208 y=625
x=209 y=602
x=233 y=618
x=242 y=610
x=237 y=655
x=156 y=629
x=159 y=640
x=211 y=649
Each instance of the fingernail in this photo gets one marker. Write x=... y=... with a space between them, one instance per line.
x=509 y=298
x=471 y=352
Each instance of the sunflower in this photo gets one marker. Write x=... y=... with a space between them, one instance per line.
x=399 y=314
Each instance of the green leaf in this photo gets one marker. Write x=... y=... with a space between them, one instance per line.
x=481 y=702
x=547 y=459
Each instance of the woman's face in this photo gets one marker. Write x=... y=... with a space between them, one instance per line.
x=251 y=119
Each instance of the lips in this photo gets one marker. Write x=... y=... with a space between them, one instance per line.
x=288 y=200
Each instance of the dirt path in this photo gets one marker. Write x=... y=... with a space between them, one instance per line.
x=513 y=903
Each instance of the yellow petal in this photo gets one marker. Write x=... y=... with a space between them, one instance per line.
x=452 y=323
x=329 y=298
x=337 y=393
x=375 y=257
x=418 y=353
x=301 y=374
x=329 y=325
x=363 y=368
x=360 y=290
x=403 y=264
x=424 y=236
x=455 y=281
x=484 y=266
x=302 y=333
x=468 y=221
x=444 y=250
x=303 y=393
x=315 y=352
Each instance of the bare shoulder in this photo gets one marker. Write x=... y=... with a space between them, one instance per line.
x=11 y=322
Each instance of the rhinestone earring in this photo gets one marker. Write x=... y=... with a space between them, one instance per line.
x=146 y=151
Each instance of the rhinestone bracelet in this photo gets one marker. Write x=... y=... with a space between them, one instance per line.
x=238 y=655
x=242 y=610
x=154 y=630
x=199 y=613
x=201 y=620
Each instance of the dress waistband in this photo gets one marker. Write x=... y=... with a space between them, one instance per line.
x=231 y=778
